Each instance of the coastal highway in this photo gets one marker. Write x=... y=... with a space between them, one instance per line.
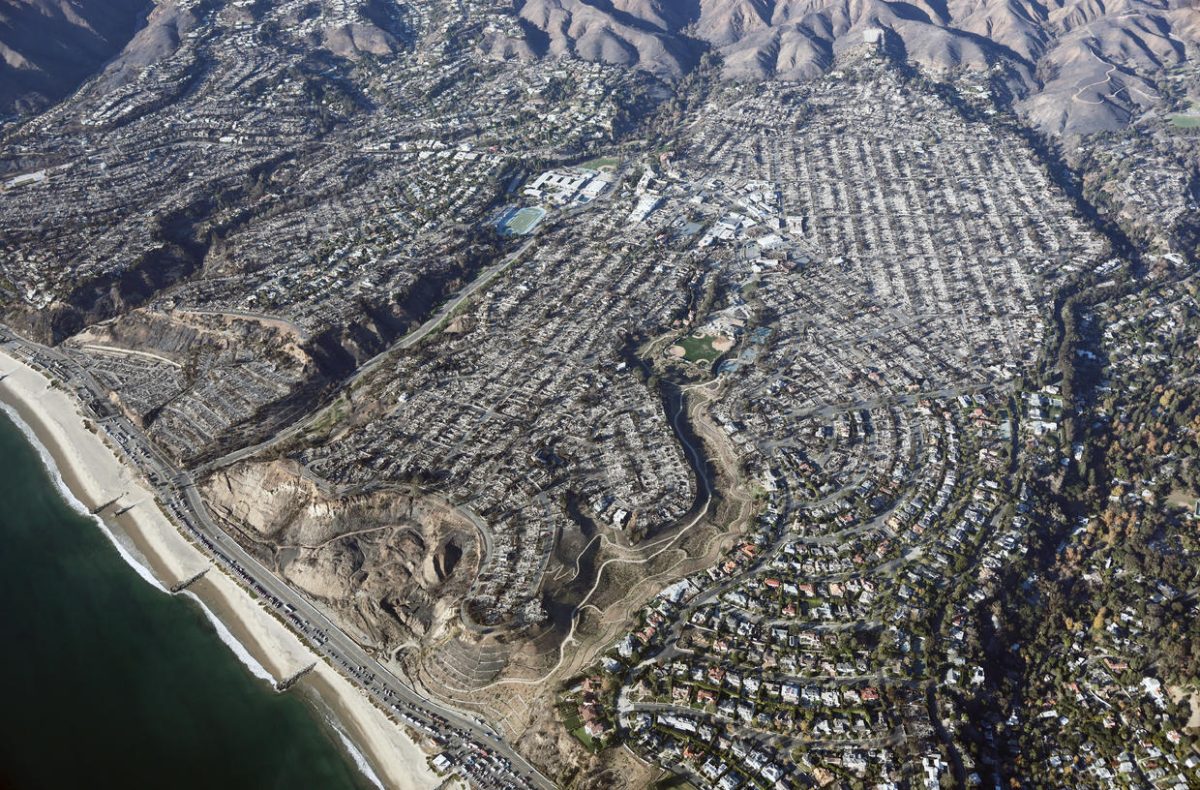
x=476 y=749
x=347 y=655
x=473 y=746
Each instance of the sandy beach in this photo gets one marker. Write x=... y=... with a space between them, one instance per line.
x=95 y=474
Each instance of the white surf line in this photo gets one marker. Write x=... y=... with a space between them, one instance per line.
x=226 y=636
x=67 y=494
x=223 y=633
x=360 y=760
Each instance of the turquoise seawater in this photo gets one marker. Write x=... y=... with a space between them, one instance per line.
x=107 y=682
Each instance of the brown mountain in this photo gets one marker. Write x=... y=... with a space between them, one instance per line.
x=48 y=47
x=1078 y=65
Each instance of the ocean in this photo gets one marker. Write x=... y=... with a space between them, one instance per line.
x=108 y=681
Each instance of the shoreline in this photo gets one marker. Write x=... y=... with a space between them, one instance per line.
x=93 y=474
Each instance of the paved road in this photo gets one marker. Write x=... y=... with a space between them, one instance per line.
x=483 y=280
x=411 y=339
x=493 y=763
x=479 y=749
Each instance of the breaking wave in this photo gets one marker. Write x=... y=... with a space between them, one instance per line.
x=360 y=760
x=239 y=650
x=68 y=495
x=223 y=633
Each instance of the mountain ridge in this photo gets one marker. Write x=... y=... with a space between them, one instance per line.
x=1078 y=67
x=49 y=47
